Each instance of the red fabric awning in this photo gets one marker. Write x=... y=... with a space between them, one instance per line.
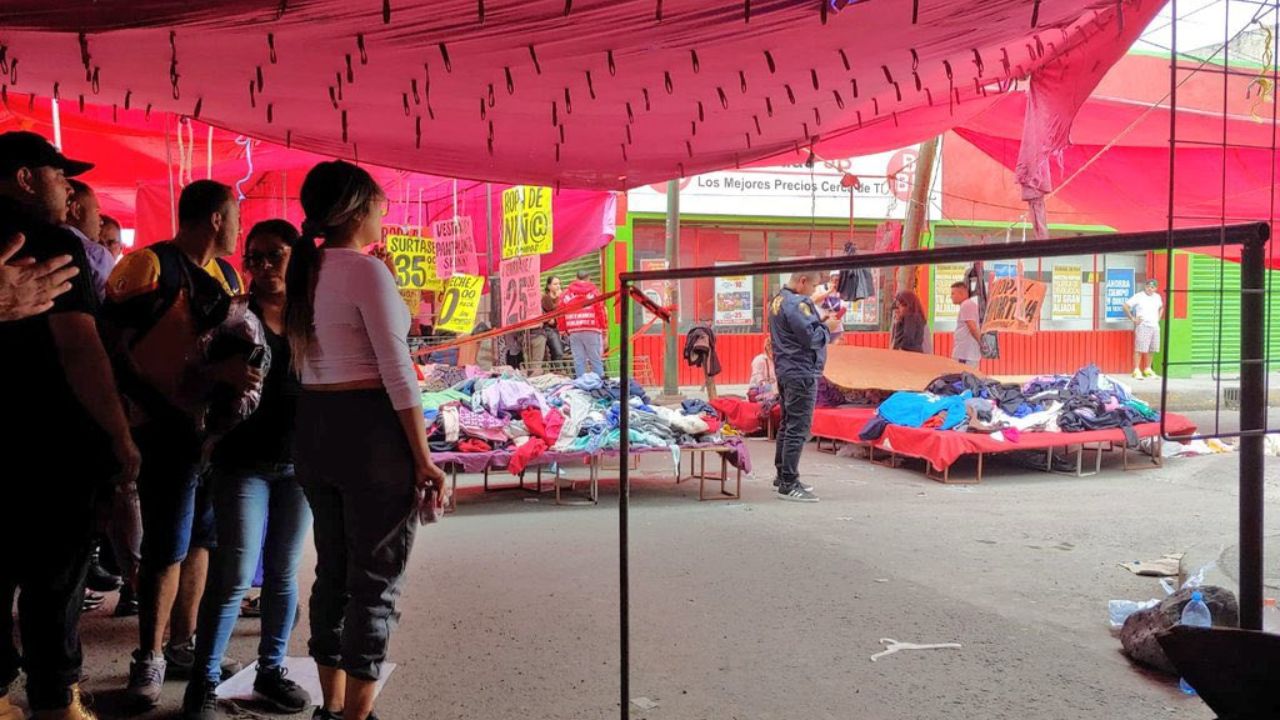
x=592 y=94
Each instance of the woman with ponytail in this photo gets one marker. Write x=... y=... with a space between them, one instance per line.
x=361 y=444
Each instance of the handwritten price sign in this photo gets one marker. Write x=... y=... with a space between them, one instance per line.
x=459 y=303
x=526 y=221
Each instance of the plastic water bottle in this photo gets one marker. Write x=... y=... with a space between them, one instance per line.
x=1194 y=614
x=1270 y=617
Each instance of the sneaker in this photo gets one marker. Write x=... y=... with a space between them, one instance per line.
x=322 y=714
x=98 y=578
x=146 y=678
x=1149 y=373
x=807 y=488
x=127 y=606
x=797 y=494
x=286 y=695
x=251 y=607
x=199 y=702
x=181 y=656
x=1137 y=374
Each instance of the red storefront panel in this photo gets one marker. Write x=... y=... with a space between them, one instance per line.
x=1059 y=351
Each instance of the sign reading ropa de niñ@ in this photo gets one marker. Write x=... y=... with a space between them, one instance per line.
x=458 y=303
x=526 y=221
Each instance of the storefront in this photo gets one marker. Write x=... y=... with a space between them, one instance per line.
x=781 y=213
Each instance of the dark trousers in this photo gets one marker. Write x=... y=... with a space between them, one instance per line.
x=45 y=539
x=797 y=397
x=555 y=348
x=355 y=466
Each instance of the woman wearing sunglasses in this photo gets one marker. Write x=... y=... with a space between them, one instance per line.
x=259 y=507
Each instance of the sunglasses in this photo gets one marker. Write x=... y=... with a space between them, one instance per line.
x=261 y=259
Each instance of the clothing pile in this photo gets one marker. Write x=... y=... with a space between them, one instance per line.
x=1087 y=400
x=832 y=395
x=504 y=410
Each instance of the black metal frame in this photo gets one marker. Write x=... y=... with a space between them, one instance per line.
x=1252 y=236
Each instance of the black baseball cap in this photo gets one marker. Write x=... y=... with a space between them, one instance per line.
x=19 y=149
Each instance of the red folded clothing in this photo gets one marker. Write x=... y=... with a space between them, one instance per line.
x=473 y=445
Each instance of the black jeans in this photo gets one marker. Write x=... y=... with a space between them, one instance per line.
x=797 y=397
x=356 y=468
x=45 y=539
x=555 y=348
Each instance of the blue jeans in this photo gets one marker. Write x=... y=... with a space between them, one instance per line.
x=245 y=501
x=587 y=347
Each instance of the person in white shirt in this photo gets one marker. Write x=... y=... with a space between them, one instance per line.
x=360 y=449
x=1145 y=311
x=967 y=349
x=84 y=219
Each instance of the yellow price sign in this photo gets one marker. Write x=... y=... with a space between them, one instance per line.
x=459 y=303
x=413 y=260
x=526 y=221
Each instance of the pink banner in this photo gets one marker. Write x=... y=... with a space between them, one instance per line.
x=455 y=247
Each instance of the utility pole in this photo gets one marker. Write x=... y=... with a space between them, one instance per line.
x=917 y=211
x=670 y=386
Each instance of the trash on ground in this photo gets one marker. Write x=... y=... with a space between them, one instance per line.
x=1166 y=566
x=852 y=451
x=892 y=646
x=1120 y=610
x=644 y=703
x=1139 y=636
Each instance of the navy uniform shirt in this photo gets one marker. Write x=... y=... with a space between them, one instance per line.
x=799 y=336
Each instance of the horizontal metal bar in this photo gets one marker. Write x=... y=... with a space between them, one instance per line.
x=1082 y=245
x=1225 y=145
x=1229 y=220
x=1219 y=70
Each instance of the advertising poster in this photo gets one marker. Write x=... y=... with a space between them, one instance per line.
x=1121 y=285
x=455 y=247
x=459 y=303
x=943 y=277
x=735 y=300
x=526 y=221
x=661 y=292
x=521 y=298
x=1067 y=291
x=413 y=260
x=1013 y=306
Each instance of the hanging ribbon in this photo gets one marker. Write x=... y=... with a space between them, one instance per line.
x=247 y=144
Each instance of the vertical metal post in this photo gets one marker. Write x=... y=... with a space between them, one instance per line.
x=1253 y=420
x=624 y=502
x=495 y=297
x=670 y=382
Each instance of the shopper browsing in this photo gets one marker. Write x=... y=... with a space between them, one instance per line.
x=361 y=444
x=159 y=301
x=259 y=508
x=909 y=324
x=585 y=326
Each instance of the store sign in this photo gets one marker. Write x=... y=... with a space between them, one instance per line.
x=944 y=276
x=526 y=221
x=1067 y=292
x=455 y=247
x=1121 y=285
x=413 y=260
x=735 y=300
x=1013 y=305
x=459 y=303
x=882 y=190
x=521 y=299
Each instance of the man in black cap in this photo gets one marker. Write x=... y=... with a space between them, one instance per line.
x=66 y=422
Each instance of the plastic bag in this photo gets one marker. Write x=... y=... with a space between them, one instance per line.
x=239 y=334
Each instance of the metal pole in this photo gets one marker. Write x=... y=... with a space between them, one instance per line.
x=1253 y=420
x=917 y=211
x=670 y=384
x=495 y=298
x=624 y=503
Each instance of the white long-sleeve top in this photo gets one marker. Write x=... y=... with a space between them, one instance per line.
x=361 y=328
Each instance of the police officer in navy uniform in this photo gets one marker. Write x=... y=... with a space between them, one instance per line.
x=800 y=333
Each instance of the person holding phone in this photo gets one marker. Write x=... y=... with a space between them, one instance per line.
x=259 y=508
x=361 y=446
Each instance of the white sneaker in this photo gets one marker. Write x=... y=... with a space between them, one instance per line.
x=1137 y=374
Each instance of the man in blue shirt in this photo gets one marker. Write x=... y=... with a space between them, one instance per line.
x=800 y=334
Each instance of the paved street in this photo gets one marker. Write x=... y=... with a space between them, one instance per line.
x=766 y=610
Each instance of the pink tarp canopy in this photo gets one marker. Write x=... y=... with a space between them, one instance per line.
x=1115 y=170
x=135 y=160
x=592 y=94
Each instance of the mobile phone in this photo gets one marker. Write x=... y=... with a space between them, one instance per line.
x=257 y=357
